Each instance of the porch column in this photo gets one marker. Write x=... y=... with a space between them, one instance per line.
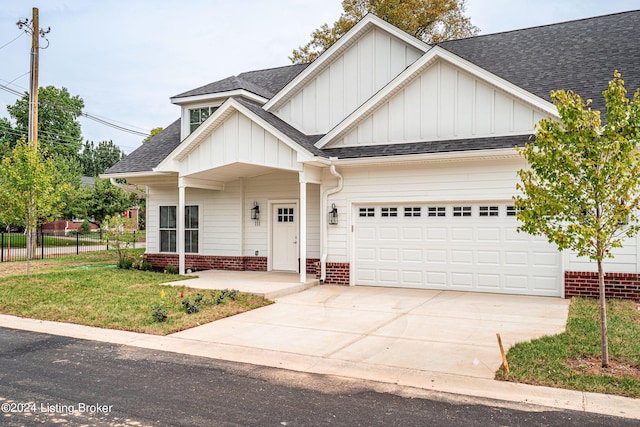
x=180 y=224
x=303 y=229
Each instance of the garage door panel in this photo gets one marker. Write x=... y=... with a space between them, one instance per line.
x=482 y=253
x=461 y=257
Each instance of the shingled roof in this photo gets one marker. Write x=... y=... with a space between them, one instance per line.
x=265 y=83
x=577 y=55
x=150 y=154
x=580 y=55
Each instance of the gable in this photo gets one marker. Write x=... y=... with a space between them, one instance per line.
x=238 y=139
x=443 y=103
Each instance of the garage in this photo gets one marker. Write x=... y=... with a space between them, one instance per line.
x=452 y=246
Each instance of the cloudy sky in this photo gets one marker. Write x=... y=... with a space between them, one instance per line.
x=126 y=58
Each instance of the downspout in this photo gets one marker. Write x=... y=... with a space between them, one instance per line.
x=323 y=219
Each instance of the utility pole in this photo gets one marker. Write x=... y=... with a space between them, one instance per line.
x=35 y=31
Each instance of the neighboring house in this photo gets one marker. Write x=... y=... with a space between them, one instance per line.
x=385 y=162
x=64 y=226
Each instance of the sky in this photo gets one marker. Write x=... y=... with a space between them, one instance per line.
x=126 y=58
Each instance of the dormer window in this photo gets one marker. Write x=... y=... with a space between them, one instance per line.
x=197 y=116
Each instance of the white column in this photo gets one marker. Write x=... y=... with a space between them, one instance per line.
x=180 y=221
x=303 y=229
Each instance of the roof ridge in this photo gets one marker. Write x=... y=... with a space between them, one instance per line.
x=540 y=26
x=272 y=68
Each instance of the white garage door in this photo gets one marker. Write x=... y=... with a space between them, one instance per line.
x=463 y=246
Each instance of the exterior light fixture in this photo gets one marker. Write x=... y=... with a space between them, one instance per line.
x=333 y=214
x=255 y=212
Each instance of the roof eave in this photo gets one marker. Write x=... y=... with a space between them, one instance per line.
x=185 y=100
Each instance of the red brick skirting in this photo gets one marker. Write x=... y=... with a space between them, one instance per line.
x=617 y=285
x=337 y=273
x=210 y=262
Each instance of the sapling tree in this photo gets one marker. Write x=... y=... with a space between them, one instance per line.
x=582 y=187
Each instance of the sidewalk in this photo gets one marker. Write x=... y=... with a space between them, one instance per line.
x=386 y=353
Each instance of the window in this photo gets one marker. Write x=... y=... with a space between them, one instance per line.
x=511 y=211
x=462 y=211
x=191 y=220
x=168 y=231
x=387 y=212
x=285 y=214
x=488 y=211
x=412 y=211
x=367 y=212
x=167 y=228
x=198 y=115
x=437 y=211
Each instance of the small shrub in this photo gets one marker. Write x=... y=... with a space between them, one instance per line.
x=86 y=226
x=170 y=269
x=146 y=266
x=159 y=312
x=193 y=306
x=125 y=263
x=221 y=296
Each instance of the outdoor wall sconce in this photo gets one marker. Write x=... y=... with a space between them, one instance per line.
x=255 y=212
x=333 y=214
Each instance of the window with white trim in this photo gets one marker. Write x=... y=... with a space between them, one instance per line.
x=389 y=212
x=367 y=212
x=462 y=211
x=511 y=211
x=191 y=225
x=168 y=229
x=437 y=211
x=412 y=211
x=197 y=116
x=489 y=210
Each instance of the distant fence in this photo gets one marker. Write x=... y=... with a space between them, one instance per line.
x=51 y=244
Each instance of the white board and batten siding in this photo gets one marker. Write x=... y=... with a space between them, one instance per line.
x=239 y=140
x=443 y=103
x=363 y=69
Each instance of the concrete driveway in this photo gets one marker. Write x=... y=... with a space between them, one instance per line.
x=421 y=330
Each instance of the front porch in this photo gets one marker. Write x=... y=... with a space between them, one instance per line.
x=267 y=284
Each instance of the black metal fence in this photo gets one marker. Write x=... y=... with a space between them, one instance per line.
x=13 y=246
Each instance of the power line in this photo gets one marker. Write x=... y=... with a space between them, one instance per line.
x=9 y=42
x=106 y=122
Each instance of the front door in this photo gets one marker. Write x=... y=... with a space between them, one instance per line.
x=285 y=237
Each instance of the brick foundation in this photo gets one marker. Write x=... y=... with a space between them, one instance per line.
x=617 y=285
x=209 y=262
x=337 y=273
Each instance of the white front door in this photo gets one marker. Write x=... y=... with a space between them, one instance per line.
x=285 y=237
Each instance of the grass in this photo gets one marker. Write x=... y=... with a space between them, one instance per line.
x=96 y=294
x=572 y=359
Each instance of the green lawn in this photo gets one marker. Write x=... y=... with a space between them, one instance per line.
x=572 y=359
x=88 y=290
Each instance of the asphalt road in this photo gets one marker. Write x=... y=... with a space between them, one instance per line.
x=52 y=380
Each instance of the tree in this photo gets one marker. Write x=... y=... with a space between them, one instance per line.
x=106 y=200
x=431 y=21
x=95 y=159
x=30 y=190
x=153 y=133
x=58 y=128
x=582 y=189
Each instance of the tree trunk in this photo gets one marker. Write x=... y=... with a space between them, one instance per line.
x=603 y=317
x=29 y=252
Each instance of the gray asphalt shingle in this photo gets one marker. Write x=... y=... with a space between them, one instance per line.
x=578 y=55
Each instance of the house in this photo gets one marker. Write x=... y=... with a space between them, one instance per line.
x=64 y=226
x=385 y=162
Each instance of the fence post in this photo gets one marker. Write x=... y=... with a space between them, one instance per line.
x=2 y=248
x=41 y=242
x=77 y=242
x=134 y=239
